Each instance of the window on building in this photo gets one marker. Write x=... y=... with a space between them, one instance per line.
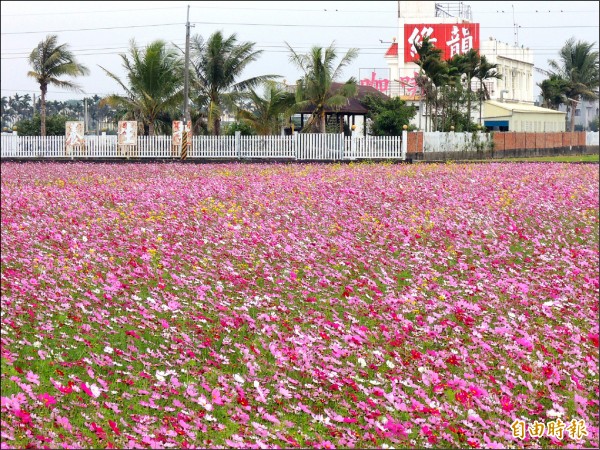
x=577 y=112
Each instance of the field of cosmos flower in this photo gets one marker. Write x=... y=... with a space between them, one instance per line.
x=298 y=305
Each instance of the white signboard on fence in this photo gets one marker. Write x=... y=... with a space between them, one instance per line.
x=74 y=134
x=177 y=132
x=127 y=132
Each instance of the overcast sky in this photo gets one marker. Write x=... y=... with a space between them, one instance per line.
x=98 y=32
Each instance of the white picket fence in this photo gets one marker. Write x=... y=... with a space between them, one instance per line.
x=298 y=147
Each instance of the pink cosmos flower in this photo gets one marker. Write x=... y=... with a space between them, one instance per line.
x=64 y=422
x=47 y=399
x=33 y=378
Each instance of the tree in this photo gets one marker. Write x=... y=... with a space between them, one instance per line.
x=218 y=64
x=431 y=66
x=315 y=86
x=55 y=125
x=470 y=68
x=244 y=129
x=3 y=111
x=553 y=90
x=155 y=84
x=578 y=64
x=266 y=113
x=50 y=61
x=388 y=115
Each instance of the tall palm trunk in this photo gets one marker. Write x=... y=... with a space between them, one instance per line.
x=44 y=89
x=217 y=126
x=469 y=103
x=573 y=106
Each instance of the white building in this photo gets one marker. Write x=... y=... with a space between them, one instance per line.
x=454 y=31
x=585 y=112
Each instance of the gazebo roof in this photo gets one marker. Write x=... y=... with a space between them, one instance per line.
x=354 y=106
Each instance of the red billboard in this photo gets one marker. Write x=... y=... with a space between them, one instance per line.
x=452 y=38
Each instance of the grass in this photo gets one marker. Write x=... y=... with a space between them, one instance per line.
x=559 y=158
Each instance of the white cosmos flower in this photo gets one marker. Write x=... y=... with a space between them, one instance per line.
x=390 y=364
x=237 y=377
x=108 y=350
x=362 y=362
x=161 y=375
x=204 y=403
x=95 y=390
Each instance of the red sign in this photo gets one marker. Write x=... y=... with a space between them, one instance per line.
x=452 y=38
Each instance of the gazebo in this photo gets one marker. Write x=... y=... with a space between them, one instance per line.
x=347 y=113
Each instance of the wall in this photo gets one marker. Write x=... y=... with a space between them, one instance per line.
x=515 y=64
x=437 y=146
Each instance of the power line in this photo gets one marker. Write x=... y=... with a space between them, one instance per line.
x=378 y=26
x=55 y=92
x=337 y=10
x=95 y=29
x=203 y=7
x=56 y=13
x=395 y=27
x=382 y=52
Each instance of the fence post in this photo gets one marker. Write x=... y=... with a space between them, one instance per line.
x=238 y=147
x=295 y=145
x=404 y=143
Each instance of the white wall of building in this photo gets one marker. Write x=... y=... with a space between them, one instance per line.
x=515 y=64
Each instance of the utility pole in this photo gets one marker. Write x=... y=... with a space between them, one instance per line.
x=186 y=75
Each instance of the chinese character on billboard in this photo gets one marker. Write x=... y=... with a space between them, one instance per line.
x=377 y=78
x=408 y=85
x=452 y=39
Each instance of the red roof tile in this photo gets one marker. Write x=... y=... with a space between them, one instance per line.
x=393 y=50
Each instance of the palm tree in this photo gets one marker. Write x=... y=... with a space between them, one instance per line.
x=266 y=112
x=25 y=108
x=15 y=105
x=315 y=87
x=485 y=71
x=578 y=64
x=218 y=64
x=155 y=84
x=553 y=91
x=50 y=61
x=3 y=110
x=430 y=65
x=471 y=62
